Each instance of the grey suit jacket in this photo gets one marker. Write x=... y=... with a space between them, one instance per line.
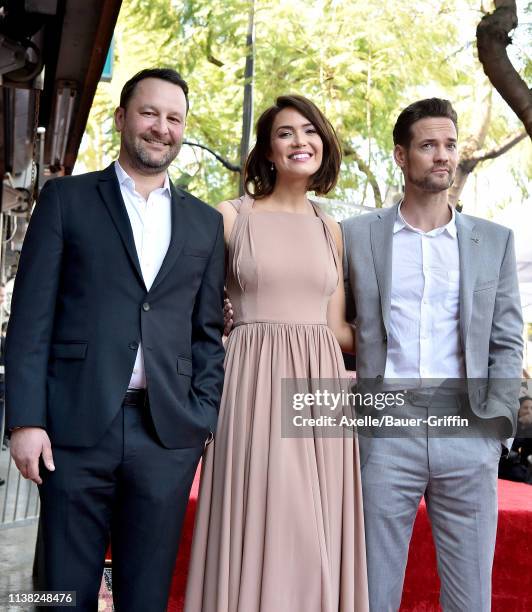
x=490 y=309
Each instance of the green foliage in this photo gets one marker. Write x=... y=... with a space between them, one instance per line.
x=360 y=61
x=522 y=41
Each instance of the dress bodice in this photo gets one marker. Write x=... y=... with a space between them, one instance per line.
x=282 y=267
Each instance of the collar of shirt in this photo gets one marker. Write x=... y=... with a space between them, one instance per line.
x=127 y=182
x=450 y=227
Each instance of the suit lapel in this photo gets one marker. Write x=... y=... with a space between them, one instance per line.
x=381 y=237
x=110 y=191
x=177 y=239
x=468 y=244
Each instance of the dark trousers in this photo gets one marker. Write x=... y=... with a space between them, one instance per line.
x=129 y=488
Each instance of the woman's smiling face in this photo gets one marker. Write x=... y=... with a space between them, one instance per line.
x=296 y=148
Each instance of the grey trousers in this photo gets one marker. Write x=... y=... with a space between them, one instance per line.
x=458 y=477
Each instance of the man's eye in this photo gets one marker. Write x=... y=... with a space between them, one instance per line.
x=452 y=146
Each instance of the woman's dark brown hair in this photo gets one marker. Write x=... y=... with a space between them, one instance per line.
x=258 y=174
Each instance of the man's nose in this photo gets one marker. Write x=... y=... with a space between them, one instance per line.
x=442 y=153
x=160 y=125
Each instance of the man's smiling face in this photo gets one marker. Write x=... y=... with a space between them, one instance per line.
x=152 y=126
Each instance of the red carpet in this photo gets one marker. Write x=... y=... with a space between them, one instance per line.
x=512 y=572
x=512 y=569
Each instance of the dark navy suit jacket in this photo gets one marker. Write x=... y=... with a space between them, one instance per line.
x=80 y=309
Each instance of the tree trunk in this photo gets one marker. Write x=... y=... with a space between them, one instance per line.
x=472 y=151
x=474 y=142
x=467 y=165
x=372 y=179
x=492 y=39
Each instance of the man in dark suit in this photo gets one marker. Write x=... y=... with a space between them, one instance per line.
x=114 y=356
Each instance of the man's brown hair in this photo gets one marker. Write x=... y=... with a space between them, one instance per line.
x=429 y=107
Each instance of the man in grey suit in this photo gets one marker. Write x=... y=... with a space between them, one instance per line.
x=435 y=296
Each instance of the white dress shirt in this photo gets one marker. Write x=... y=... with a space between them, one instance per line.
x=151 y=222
x=424 y=332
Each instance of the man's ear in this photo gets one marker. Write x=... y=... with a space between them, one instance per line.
x=399 y=154
x=119 y=117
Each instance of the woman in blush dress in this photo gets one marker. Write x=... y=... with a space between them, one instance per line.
x=279 y=525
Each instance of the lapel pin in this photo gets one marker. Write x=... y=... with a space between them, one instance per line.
x=475 y=240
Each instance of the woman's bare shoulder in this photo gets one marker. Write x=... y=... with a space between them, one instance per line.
x=229 y=214
x=229 y=207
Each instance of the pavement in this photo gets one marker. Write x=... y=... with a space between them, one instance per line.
x=17 y=548
x=19 y=509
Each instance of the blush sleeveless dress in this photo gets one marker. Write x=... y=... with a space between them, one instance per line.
x=279 y=524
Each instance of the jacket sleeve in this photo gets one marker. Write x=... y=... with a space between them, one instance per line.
x=32 y=313
x=207 y=328
x=506 y=340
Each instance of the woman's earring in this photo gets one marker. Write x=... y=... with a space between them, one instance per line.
x=272 y=167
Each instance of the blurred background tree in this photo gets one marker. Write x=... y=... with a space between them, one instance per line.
x=360 y=61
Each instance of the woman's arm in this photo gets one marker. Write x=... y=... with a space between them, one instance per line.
x=336 y=317
x=229 y=215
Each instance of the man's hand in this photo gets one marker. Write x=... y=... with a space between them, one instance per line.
x=228 y=317
x=27 y=445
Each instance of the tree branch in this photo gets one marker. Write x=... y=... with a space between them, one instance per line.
x=363 y=167
x=223 y=161
x=501 y=148
x=213 y=60
x=473 y=143
x=469 y=163
x=493 y=36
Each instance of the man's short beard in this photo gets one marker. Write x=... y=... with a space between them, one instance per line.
x=144 y=162
x=426 y=183
x=147 y=163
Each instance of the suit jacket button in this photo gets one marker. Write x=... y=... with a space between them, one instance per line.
x=385 y=339
x=379 y=378
x=133 y=346
x=146 y=307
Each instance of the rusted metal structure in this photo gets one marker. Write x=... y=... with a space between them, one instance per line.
x=52 y=53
